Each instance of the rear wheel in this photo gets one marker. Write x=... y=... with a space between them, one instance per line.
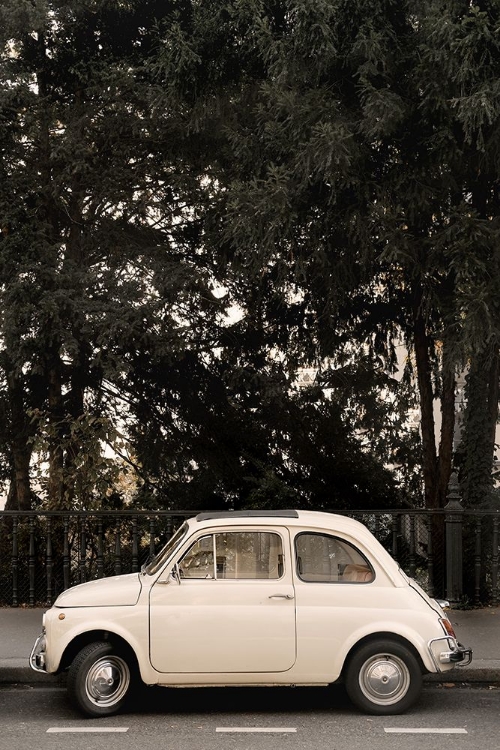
x=99 y=680
x=383 y=677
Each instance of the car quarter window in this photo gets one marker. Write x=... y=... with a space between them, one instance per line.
x=234 y=555
x=328 y=559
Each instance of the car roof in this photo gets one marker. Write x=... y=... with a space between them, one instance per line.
x=292 y=517
x=209 y=516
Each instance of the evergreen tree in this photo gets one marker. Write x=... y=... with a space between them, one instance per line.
x=358 y=173
x=93 y=213
x=328 y=168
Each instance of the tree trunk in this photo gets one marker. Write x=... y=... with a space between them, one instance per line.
x=422 y=344
x=445 y=459
x=493 y=396
x=56 y=424
x=478 y=441
x=19 y=497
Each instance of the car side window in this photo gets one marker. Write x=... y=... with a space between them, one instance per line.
x=328 y=559
x=234 y=555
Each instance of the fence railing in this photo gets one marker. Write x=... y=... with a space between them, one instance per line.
x=452 y=553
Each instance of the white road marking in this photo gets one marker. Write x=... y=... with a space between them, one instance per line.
x=256 y=729
x=66 y=730
x=425 y=730
x=38 y=689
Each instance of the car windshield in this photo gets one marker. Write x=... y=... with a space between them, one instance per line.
x=154 y=565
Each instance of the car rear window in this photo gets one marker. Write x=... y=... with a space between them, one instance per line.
x=321 y=558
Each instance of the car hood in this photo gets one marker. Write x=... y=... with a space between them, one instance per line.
x=106 y=592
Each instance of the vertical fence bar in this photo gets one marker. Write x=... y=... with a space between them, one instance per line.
x=31 y=562
x=412 y=545
x=118 y=554
x=15 y=562
x=477 y=561
x=152 y=532
x=48 y=561
x=430 y=558
x=66 y=570
x=83 y=550
x=494 y=563
x=454 y=556
x=395 y=536
x=100 y=550
x=135 y=546
x=169 y=527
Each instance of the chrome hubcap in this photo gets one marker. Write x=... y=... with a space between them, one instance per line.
x=107 y=681
x=384 y=679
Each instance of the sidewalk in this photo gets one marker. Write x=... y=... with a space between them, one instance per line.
x=480 y=630
x=477 y=628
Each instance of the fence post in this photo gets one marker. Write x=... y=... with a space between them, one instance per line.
x=454 y=558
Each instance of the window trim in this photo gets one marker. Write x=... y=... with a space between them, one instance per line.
x=340 y=539
x=214 y=532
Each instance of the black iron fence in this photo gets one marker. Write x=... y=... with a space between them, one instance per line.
x=452 y=553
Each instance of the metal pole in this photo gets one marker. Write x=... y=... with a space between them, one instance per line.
x=454 y=557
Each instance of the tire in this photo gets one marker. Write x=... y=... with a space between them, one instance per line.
x=383 y=678
x=99 y=680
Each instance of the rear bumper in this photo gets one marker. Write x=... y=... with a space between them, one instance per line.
x=447 y=653
x=462 y=657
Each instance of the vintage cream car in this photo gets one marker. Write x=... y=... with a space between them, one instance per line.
x=253 y=598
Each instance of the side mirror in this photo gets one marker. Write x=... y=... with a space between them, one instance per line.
x=175 y=575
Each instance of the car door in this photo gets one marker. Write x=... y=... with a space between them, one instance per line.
x=232 y=609
x=336 y=593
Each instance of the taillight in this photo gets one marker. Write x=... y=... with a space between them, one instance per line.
x=447 y=627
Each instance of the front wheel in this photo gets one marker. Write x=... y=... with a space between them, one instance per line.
x=383 y=677
x=99 y=680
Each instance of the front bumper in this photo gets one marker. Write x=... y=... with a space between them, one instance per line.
x=37 y=656
x=447 y=653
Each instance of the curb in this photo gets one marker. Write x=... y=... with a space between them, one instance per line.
x=18 y=672
x=480 y=671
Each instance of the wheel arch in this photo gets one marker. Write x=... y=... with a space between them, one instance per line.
x=383 y=636
x=91 y=636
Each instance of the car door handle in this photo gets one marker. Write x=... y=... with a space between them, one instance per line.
x=281 y=596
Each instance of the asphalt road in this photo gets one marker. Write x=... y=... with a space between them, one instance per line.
x=39 y=718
